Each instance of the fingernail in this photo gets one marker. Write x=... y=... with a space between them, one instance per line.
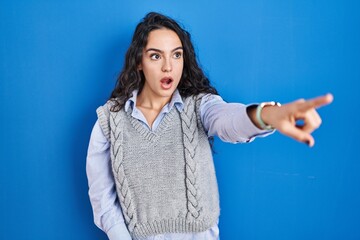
x=330 y=97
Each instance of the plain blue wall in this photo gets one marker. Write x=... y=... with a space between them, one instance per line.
x=60 y=59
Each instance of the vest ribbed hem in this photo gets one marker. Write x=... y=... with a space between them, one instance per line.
x=180 y=225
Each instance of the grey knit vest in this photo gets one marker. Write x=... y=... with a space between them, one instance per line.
x=165 y=179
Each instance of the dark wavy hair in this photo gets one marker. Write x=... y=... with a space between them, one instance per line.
x=193 y=81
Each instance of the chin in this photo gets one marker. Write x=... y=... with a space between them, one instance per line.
x=167 y=93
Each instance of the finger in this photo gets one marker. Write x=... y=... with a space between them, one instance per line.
x=297 y=134
x=316 y=102
x=312 y=121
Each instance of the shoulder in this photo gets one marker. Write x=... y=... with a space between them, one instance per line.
x=192 y=104
x=204 y=99
x=194 y=98
x=103 y=113
x=108 y=106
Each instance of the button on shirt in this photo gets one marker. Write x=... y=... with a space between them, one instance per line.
x=228 y=121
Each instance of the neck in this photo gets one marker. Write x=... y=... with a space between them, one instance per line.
x=150 y=101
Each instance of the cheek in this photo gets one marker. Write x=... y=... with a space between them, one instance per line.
x=149 y=70
x=180 y=68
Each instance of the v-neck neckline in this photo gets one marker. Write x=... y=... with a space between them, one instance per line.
x=147 y=133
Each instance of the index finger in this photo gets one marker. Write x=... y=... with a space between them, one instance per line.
x=317 y=102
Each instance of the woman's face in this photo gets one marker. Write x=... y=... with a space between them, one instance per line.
x=162 y=63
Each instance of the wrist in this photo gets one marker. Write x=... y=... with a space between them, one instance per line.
x=263 y=114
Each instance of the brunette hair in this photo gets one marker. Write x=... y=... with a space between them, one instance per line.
x=193 y=81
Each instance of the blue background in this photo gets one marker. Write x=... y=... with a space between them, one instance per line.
x=59 y=61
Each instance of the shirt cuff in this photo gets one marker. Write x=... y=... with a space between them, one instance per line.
x=119 y=232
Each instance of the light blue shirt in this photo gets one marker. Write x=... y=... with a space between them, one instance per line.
x=228 y=121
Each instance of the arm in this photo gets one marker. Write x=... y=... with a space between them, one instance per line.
x=229 y=121
x=284 y=118
x=106 y=208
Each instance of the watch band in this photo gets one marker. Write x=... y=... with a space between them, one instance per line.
x=258 y=114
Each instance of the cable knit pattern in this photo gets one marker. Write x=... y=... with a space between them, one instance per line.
x=118 y=170
x=165 y=179
x=190 y=140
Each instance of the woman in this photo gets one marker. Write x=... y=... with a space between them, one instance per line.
x=149 y=164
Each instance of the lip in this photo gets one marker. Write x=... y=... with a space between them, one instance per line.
x=165 y=79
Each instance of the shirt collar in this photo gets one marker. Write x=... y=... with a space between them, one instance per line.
x=176 y=101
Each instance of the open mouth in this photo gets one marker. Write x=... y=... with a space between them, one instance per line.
x=166 y=82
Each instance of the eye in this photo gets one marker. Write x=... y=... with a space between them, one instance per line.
x=177 y=55
x=155 y=56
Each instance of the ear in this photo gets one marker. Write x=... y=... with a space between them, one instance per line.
x=139 y=67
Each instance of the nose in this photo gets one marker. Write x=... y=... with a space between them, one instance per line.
x=166 y=66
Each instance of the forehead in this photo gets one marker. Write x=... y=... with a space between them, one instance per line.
x=163 y=39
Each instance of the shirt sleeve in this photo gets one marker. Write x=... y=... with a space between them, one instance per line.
x=106 y=208
x=229 y=121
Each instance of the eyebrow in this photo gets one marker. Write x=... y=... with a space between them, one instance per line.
x=160 y=51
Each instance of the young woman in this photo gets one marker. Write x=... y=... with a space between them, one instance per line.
x=149 y=163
